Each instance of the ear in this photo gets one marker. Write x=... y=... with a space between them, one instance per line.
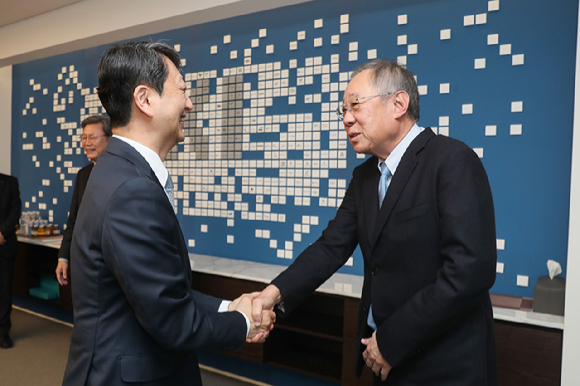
x=142 y=97
x=401 y=103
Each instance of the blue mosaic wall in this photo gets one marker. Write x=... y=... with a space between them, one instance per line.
x=266 y=163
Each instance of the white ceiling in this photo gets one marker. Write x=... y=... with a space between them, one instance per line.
x=12 y=11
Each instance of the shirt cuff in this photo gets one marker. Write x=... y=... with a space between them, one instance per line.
x=63 y=259
x=224 y=308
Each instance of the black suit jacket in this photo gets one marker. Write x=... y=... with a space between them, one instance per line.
x=79 y=190
x=430 y=259
x=136 y=317
x=10 y=207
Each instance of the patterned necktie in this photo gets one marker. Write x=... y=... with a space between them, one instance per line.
x=169 y=191
x=383 y=182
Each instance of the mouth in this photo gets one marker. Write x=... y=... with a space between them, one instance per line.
x=353 y=136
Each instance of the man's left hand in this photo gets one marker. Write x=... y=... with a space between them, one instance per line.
x=374 y=359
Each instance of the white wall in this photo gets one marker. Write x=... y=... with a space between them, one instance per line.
x=5 y=118
x=94 y=22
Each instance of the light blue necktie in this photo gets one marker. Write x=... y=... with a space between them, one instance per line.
x=169 y=191
x=383 y=185
x=383 y=182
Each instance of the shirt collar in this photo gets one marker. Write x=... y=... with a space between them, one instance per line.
x=394 y=158
x=150 y=156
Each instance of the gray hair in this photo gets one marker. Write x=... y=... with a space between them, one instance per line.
x=102 y=119
x=389 y=77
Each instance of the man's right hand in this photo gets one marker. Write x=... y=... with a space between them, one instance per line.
x=62 y=272
x=259 y=331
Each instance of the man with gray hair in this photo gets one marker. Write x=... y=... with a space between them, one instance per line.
x=96 y=134
x=421 y=211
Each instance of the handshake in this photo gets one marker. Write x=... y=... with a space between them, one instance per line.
x=259 y=308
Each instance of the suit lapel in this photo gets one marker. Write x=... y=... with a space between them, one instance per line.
x=371 y=196
x=124 y=150
x=399 y=181
x=83 y=179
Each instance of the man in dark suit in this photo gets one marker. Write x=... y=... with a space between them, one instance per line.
x=429 y=246
x=136 y=317
x=96 y=134
x=10 y=206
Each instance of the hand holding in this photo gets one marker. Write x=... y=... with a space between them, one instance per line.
x=258 y=334
x=265 y=300
x=62 y=272
x=258 y=331
x=234 y=304
x=374 y=359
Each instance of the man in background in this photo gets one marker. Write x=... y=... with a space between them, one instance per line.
x=136 y=317
x=10 y=207
x=96 y=134
x=421 y=211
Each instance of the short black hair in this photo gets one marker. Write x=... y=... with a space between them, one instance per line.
x=102 y=119
x=123 y=67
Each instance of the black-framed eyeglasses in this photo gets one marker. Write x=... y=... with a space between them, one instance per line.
x=355 y=105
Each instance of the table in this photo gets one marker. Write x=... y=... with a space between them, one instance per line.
x=318 y=338
x=38 y=256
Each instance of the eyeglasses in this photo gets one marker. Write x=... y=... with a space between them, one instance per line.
x=355 y=105
x=92 y=137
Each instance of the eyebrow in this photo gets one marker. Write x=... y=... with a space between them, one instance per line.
x=354 y=94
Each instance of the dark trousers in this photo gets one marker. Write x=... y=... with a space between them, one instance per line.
x=6 y=274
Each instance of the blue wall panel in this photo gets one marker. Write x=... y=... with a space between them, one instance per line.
x=498 y=75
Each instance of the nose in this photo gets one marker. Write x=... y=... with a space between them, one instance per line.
x=188 y=104
x=348 y=118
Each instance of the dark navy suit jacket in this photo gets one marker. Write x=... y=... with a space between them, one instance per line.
x=79 y=190
x=429 y=261
x=10 y=206
x=136 y=317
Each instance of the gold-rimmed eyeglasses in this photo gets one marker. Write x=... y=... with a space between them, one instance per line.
x=355 y=105
x=92 y=137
